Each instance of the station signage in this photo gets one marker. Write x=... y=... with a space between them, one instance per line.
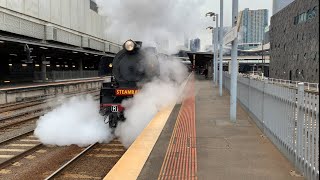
x=126 y=92
x=233 y=33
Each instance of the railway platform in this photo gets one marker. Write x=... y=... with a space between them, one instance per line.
x=25 y=92
x=195 y=139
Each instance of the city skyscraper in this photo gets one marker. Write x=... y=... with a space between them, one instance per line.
x=195 y=45
x=253 y=24
x=186 y=42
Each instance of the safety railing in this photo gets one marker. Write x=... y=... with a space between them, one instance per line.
x=64 y=75
x=308 y=86
x=288 y=116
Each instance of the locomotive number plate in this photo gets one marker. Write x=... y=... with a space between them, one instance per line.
x=126 y=92
x=114 y=109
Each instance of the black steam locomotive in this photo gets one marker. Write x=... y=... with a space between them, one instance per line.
x=131 y=67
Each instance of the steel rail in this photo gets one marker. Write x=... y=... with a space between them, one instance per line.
x=54 y=174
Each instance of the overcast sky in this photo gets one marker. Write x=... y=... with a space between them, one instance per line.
x=214 y=6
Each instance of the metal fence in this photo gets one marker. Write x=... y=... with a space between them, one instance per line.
x=289 y=117
x=62 y=75
x=294 y=84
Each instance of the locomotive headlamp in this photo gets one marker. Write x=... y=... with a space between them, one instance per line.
x=129 y=45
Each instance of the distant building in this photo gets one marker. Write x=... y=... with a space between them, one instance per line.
x=162 y=44
x=248 y=46
x=195 y=45
x=186 y=42
x=280 y=4
x=294 y=42
x=252 y=25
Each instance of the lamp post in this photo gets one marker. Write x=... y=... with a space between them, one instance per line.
x=215 y=42
x=221 y=47
x=214 y=59
x=215 y=17
x=234 y=66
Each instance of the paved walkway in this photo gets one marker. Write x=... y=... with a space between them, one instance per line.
x=233 y=151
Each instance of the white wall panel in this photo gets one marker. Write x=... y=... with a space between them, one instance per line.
x=74 y=15
x=44 y=10
x=31 y=8
x=3 y=3
x=82 y=23
x=56 y=11
x=87 y=19
x=65 y=13
x=16 y=5
x=94 y=24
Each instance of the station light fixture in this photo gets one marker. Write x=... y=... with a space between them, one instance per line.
x=74 y=52
x=66 y=66
x=86 y=54
x=73 y=66
x=48 y=65
x=36 y=65
x=43 y=48
x=209 y=28
x=1 y=41
x=10 y=65
x=86 y=67
x=13 y=54
x=7 y=81
x=24 y=65
x=48 y=57
x=96 y=55
x=110 y=65
x=57 y=65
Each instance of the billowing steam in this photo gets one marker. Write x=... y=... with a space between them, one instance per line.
x=154 y=96
x=76 y=121
x=161 y=23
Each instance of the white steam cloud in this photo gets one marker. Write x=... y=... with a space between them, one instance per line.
x=154 y=96
x=76 y=121
x=155 y=22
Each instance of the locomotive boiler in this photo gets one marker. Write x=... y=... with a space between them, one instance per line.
x=133 y=66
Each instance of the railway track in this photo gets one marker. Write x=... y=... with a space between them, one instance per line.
x=25 y=157
x=16 y=147
x=94 y=162
x=16 y=151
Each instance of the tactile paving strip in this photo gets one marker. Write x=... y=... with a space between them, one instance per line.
x=181 y=158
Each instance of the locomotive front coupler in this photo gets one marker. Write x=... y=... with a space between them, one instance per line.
x=113 y=119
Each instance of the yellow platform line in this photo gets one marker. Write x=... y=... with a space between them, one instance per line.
x=131 y=163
